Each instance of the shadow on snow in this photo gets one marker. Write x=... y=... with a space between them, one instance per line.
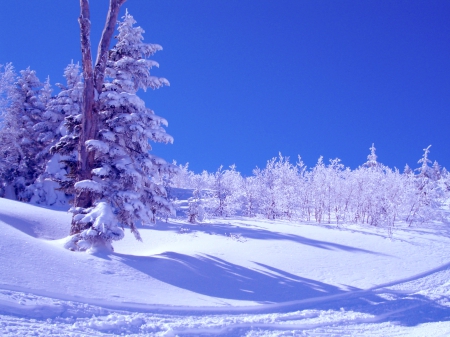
x=246 y=232
x=212 y=276
x=215 y=277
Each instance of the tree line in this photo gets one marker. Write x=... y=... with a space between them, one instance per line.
x=372 y=194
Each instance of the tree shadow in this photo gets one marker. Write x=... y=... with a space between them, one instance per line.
x=245 y=232
x=34 y=228
x=389 y=305
x=215 y=277
x=212 y=276
x=440 y=229
x=286 y=292
x=27 y=227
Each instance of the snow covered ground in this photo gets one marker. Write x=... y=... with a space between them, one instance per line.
x=226 y=277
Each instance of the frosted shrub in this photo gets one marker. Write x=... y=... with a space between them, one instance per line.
x=372 y=194
x=225 y=192
x=196 y=211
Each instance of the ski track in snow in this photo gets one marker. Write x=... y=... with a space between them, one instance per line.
x=415 y=304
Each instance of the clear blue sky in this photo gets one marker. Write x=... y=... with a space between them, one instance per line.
x=250 y=78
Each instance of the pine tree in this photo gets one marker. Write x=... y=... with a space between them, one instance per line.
x=125 y=186
x=425 y=193
x=407 y=170
x=424 y=170
x=23 y=150
x=60 y=133
x=436 y=171
x=7 y=79
x=7 y=135
x=372 y=158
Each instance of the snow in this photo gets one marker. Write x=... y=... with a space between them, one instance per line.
x=97 y=145
x=88 y=185
x=224 y=277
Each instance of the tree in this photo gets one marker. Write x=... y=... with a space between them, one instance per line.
x=266 y=181
x=183 y=177
x=226 y=192
x=278 y=188
x=60 y=132
x=372 y=158
x=250 y=196
x=427 y=193
x=22 y=147
x=93 y=83
x=125 y=181
x=7 y=79
x=69 y=103
x=197 y=203
x=424 y=170
x=318 y=185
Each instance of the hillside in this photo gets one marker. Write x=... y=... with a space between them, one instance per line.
x=226 y=277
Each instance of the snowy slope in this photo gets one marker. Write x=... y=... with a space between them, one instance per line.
x=227 y=277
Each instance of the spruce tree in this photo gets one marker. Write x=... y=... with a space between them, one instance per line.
x=22 y=149
x=59 y=131
x=126 y=179
x=372 y=158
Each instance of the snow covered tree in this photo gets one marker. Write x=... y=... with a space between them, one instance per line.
x=93 y=84
x=125 y=184
x=267 y=189
x=23 y=151
x=226 y=191
x=183 y=177
x=278 y=188
x=7 y=79
x=445 y=180
x=60 y=132
x=250 y=196
x=68 y=105
x=427 y=194
x=305 y=195
x=436 y=171
x=287 y=187
x=407 y=170
x=424 y=170
x=335 y=190
x=198 y=202
x=319 y=186
x=372 y=158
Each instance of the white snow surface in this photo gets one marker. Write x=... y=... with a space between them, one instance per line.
x=225 y=277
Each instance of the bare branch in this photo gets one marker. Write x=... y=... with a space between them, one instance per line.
x=107 y=34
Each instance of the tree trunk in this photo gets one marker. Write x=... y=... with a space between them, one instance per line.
x=93 y=82
x=103 y=47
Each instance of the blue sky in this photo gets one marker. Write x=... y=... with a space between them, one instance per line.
x=250 y=78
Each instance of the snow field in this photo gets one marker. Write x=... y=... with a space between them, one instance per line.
x=226 y=277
